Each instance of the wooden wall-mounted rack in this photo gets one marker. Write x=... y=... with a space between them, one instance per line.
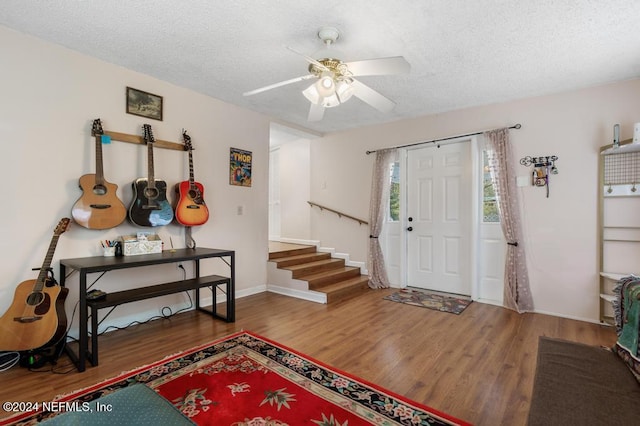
x=125 y=137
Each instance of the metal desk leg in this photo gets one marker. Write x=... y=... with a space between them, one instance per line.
x=197 y=271
x=83 y=338
x=94 y=336
x=231 y=293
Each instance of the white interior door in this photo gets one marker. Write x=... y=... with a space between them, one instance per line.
x=274 y=194
x=439 y=218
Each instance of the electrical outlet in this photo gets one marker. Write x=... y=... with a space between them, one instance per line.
x=240 y=210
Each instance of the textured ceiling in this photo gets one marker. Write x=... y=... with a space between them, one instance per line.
x=462 y=53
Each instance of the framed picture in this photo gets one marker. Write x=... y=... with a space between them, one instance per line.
x=144 y=104
x=240 y=167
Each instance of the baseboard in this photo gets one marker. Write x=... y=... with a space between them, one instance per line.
x=536 y=311
x=555 y=314
x=490 y=302
x=312 y=296
x=299 y=241
x=345 y=257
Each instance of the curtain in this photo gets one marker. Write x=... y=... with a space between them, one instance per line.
x=377 y=211
x=517 y=293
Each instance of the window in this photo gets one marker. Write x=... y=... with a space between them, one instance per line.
x=489 y=200
x=394 y=193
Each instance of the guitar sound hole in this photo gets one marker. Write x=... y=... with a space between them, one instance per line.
x=35 y=298
x=193 y=194
x=99 y=190
x=150 y=193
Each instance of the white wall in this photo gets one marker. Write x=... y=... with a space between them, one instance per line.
x=295 y=212
x=560 y=232
x=49 y=97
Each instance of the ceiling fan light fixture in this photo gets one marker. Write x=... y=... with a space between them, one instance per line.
x=330 y=101
x=326 y=86
x=344 y=91
x=312 y=94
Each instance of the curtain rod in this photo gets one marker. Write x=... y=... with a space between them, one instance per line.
x=515 y=126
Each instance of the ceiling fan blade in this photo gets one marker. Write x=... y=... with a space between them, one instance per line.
x=370 y=96
x=282 y=83
x=380 y=66
x=309 y=59
x=316 y=112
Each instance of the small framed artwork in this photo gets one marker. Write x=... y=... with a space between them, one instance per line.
x=144 y=104
x=240 y=167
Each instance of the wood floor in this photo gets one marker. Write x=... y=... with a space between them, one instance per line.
x=477 y=366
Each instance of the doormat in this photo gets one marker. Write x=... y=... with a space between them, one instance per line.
x=426 y=299
x=241 y=380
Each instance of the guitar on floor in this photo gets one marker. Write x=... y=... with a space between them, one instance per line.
x=99 y=207
x=150 y=206
x=190 y=208
x=36 y=318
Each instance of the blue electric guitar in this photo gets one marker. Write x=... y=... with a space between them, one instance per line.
x=150 y=206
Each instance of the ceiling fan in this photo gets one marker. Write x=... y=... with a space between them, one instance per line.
x=335 y=82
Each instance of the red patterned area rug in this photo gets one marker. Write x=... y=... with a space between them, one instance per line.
x=431 y=300
x=245 y=379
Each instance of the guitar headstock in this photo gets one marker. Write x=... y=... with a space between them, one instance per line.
x=148 y=134
x=187 y=141
x=62 y=227
x=96 y=128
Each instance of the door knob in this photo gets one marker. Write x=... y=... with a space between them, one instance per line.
x=410 y=219
x=410 y=228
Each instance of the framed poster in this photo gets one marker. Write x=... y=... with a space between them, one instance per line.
x=240 y=167
x=144 y=104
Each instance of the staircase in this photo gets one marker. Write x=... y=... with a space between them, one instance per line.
x=316 y=273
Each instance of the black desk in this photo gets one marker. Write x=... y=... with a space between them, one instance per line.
x=89 y=265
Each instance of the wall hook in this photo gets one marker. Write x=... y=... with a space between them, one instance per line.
x=543 y=168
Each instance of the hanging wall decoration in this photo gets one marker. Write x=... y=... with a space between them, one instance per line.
x=144 y=104
x=543 y=168
x=240 y=167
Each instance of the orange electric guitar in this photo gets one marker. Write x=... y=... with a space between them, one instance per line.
x=190 y=208
x=99 y=206
x=36 y=318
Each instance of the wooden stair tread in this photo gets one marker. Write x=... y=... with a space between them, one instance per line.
x=357 y=280
x=282 y=262
x=343 y=290
x=314 y=266
x=335 y=271
x=292 y=252
x=329 y=277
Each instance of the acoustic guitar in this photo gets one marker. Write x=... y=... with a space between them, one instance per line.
x=191 y=209
x=150 y=206
x=36 y=318
x=99 y=207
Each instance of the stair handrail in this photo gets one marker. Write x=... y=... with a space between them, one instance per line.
x=340 y=214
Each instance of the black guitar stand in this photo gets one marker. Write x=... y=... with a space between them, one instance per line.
x=37 y=358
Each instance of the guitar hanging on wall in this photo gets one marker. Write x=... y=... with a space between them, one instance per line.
x=99 y=207
x=150 y=206
x=191 y=209
x=36 y=318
